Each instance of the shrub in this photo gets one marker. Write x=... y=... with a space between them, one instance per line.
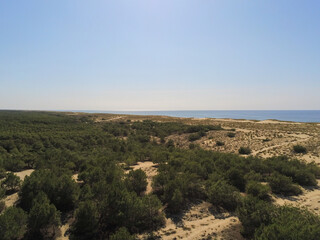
x=254 y=213
x=170 y=143
x=11 y=182
x=299 y=149
x=194 y=136
x=306 y=178
x=176 y=202
x=244 y=150
x=219 y=143
x=253 y=176
x=137 y=181
x=231 y=134
x=86 y=222
x=291 y=223
x=2 y=192
x=2 y=206
x=43 y=219
x=222 y=194
x=258 y=190
x=283 y=185
x=236 y=178
x=61 y=190
x=121 y=234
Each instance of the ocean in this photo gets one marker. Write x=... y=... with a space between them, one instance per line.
x=282 y=115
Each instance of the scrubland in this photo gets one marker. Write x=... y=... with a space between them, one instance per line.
x=107 y=176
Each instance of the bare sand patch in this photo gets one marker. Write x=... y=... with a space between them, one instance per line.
x=24 y=173
x=199 y=222
x=11 y=200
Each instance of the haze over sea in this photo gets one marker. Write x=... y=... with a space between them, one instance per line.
x=283 y=115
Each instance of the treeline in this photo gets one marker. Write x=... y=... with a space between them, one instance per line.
x=109 y=203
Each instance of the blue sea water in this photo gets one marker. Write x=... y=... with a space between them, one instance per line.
x=283 y=115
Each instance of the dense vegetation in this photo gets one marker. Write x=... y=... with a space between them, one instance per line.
x=109 y=203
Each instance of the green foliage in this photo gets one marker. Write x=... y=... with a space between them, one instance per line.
x=61 y=190
x=121 y=234
x=124 y=208
x=299 y=149
x=43 y=219
x=231 y=134
x=107 y=202
x=244 y=150
x=194 y=136
x=86 y=222
x=258 y=190
x=170 y=143
x=2 y=206
x=300 y=172
x=283 y=185
x=11 y=182
x=236 y=178
x=137 y=181
x=290 y=223
x=13 y=222
x=222 y=194
x=263 y=221
x=219 y=143
x=2 y=192
x=176 y=201
x=2 y=173
x=254 y=213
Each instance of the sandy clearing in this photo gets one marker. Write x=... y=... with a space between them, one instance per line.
x=24 y=173
x=199 y=222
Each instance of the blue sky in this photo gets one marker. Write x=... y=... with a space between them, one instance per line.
x=159 y=54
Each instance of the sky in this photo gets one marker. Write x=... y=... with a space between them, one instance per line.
x=160 y=54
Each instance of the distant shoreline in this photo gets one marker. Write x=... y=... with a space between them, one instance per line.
x=303 y=116
x=296 y=116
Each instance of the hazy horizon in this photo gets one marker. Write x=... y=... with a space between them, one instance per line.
x=160 y=55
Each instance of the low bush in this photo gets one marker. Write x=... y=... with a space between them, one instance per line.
x=219 y=143
x=231 y=134
x=258 y=190
x=254 y=213
x=121 y=234
x=290 y=223
x=244 y=150
x=194 y=136
x=283 y=185
x=299 y=149
x=224 y=195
